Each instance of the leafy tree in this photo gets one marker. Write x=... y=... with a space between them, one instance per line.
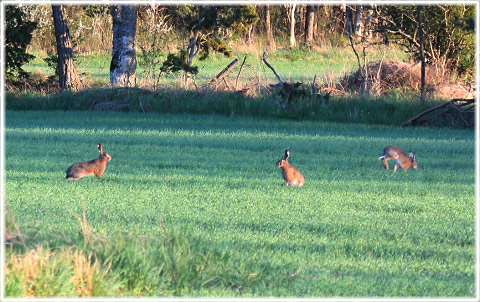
x=449 y=32
x=204 y=27
x=18 y=34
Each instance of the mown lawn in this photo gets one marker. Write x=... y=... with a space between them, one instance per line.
x=354 y=229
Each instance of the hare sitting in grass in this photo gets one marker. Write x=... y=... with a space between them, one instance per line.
x=401 y=159
x=93 y=167
x=292 y=176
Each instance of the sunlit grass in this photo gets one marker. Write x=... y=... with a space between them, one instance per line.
x=293 y=65
x=354 y=229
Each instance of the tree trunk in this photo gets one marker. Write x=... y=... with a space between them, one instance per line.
x=422 y=54
x=369 y=23
x=124 y=62
x=270 y=38
x=250 y=34
x=293 y=42
x=309 y=24
x=349 y=21
x=68 y=75
x=358 y=22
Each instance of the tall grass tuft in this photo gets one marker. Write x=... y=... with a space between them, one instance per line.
x=126 y=264
x=41 y=272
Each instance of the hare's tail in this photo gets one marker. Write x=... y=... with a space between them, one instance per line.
x=382 y=157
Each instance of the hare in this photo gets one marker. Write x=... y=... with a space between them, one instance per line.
x=401 y=159
x=93 y=167
x=292 y=176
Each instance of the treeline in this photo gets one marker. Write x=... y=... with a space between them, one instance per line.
x=90 y=26
x=187 y=31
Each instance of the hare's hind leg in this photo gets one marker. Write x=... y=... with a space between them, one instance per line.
x=396 y=168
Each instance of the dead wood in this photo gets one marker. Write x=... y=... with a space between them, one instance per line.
x=451 y=109
x=239 y=72
x=416 y=117
x=222 y=73
x=264 y=59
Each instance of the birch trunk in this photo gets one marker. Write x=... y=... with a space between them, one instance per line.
x=293 y=42
x=358 y=22
x=124 y=62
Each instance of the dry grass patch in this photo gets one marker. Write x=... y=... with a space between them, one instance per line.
x=44 y=273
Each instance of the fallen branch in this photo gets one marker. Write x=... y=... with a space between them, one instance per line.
x=264 y=59
x=223 y=73
x=448 y=106
x=416 y=117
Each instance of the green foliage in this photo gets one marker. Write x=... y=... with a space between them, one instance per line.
x=234 y=229
x=178 y=62
x=148 y=61
x=18 y=34
x=449 y=33
x=240 y=17
x=215 y=44
x=202 y=26
x=52 y=62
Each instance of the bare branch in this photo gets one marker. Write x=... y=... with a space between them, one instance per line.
x=239 y=72
x=264 y=59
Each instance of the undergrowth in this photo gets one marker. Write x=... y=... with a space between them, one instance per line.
x=386 y=110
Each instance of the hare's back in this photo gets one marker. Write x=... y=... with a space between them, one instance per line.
x=395 y=152
x=86 y=167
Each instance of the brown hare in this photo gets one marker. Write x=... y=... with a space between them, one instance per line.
x=93 y=167
x=401 y=159
x=292 y=176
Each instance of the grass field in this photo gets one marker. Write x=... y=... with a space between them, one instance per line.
x=329 y=64
x=354 y=229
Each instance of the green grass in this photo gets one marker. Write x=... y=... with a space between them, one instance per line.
x=353 y=230
x=391 y=110
x=292 y=65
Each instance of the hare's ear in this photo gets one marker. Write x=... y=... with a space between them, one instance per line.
x=412 y=156
x=287 y=154
x=100 y=149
